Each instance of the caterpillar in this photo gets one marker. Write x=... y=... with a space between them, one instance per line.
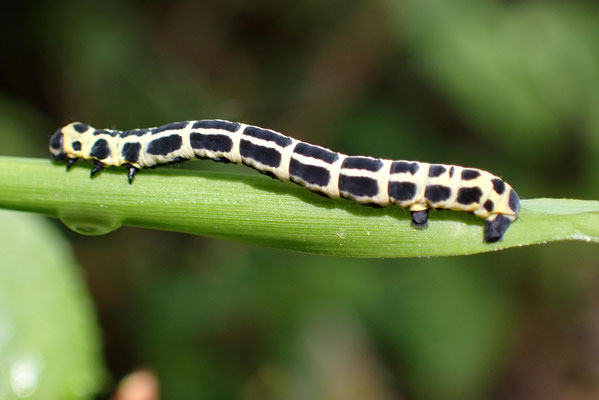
x=418 y=186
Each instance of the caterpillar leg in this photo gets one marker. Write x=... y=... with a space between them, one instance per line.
x=132 y=171
x=495 y=227
x=222 y=159
x=98 y=166
x=71 y=162
x=419 y=216
x=269 y=174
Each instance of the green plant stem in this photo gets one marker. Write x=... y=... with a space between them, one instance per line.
x=266 y=212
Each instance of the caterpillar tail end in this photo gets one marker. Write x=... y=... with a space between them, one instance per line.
x=495 y=227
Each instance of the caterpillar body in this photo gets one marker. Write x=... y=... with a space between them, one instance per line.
x=418 y=186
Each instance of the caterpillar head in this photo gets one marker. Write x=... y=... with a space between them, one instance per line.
x=65 y=143
x=56 y=143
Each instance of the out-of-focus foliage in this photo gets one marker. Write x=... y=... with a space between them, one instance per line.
x=49 y=343
x=509 y=86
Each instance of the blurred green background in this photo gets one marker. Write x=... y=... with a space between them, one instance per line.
x=508 y=86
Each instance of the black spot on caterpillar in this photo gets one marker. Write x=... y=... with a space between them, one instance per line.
x=418 y=186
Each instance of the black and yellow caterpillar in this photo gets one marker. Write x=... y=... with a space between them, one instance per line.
x=415 y=185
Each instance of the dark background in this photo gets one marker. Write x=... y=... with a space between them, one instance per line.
x=507 y=86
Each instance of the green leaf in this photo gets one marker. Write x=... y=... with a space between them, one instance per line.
x=261 y=211
x=49 y=342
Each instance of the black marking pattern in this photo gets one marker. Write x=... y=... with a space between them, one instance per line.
x=402 y=191
x=217 y=124
x=316 y=152
x=216 y=143
x=498 y=185
x=365 y=163
x=76 y=145
x=469 y=174
x=175 y=126
x=165 y=145
x=469 y=195
x=437 y=193
x=100 y=149
x=311 y=174
x=358 y=186
x=130 y=152
x=436 y=170
x=268 y=135
x=264 y=155
x=514 y=201
x=56 y=140
x=405 y=167
x=80 y=127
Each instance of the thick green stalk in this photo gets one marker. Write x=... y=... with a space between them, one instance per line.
x=261 y=211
